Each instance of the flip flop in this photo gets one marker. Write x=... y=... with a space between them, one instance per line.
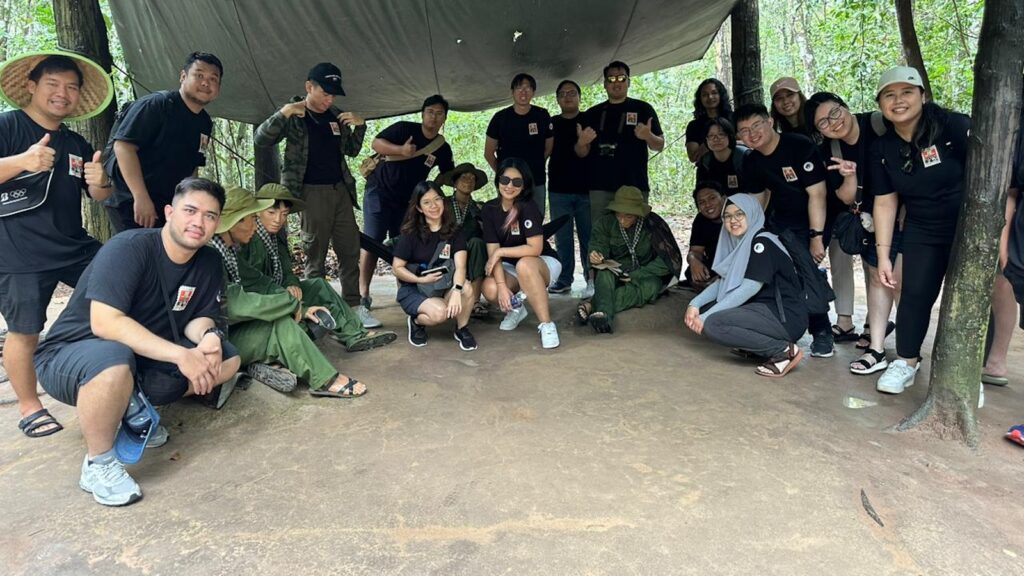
x=1016 y=434
x=346 y=391
x=31 y=424
x=994 y=380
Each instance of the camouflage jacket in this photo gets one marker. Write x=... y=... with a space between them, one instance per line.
x=296 y=148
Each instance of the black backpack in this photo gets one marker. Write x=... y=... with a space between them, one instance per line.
x=817 y=292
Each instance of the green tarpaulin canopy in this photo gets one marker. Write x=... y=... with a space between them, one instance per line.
x=395 y=53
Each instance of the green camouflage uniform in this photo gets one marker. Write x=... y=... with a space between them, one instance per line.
x=652 y=273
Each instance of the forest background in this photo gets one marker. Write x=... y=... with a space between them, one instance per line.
x=841 y=46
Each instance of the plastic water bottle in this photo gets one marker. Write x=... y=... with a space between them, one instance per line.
x=517 y=300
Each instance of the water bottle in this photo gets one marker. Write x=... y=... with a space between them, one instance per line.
x=517 y=300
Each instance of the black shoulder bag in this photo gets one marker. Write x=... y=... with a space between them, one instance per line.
x=848 y=228
x=435 y=289
x=29 y=190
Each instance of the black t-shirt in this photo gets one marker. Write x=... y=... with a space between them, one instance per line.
x=51 y=236
x=567 y=172
x=933 y=188
x=394 y=181
x=705 y=233
x=696 y=130
x=323 y=163
x=418 y=251
x=794 y=166
x=527 y=224
x=772 y=266
x=172 y=143
x=859 y=153
x=126 y=274
x=729 y=174
x=617 y=157
x=522 y=136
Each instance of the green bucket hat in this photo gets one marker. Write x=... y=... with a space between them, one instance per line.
x=239 y=203
x=274 y=191
x=95 y=95
x=630 y=200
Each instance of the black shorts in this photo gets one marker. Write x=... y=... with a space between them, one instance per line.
x=63 y=370
x=381 y=217
x=24 y=297
x=410 y=298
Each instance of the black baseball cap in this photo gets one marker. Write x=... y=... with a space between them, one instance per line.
x=328 y=76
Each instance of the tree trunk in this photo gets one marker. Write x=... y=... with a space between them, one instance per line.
x=268 y=163
x=959 y=345
x=908 y=37
x=80 y=27
x=723 y=60
x=746 y=54
x=806 y=53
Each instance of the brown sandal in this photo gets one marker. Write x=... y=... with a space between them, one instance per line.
x=788 y=360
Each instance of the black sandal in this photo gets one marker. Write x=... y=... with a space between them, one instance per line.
x=600 y=323
x=31 y=424
x=840 y=335
x=870 y=362
x=864 y=342
x=583 y=311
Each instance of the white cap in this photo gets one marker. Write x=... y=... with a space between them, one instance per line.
x=897 y=75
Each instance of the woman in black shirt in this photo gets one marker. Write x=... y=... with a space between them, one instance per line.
x=429 y=240
x=920 y=163
x=788 y=106
x=723 y=162
x=710 y=101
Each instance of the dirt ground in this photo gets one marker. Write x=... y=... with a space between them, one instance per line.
x=648 y=451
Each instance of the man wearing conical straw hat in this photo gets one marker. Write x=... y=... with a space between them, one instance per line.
x=44 y=167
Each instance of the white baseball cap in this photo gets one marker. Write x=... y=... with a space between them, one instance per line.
x=899 y=74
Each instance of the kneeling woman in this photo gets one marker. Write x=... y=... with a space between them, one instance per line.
x=755 y=306
x=430 y=240
x=520 y=264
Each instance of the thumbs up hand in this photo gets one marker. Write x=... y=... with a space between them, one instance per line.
x=585 y=136
x=643 y=131
x=408 y=149
x=39 y=157
x=94 y=176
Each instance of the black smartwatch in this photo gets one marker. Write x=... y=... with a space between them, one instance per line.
x=216 y=332
x=458 y=287
x=816 y=233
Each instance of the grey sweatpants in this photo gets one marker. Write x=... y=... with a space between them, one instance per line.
x=750 y=327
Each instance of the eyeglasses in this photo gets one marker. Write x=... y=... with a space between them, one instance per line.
x=515 y=182
x=616 y=79
x=906 y=155
x=833 y=116
x=567 y=93
x=755 y=127
x=717 y=136
x=733 y=216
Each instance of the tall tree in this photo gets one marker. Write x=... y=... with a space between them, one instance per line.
x=746 y=54
x=81 y=28
x=957 y=357
x=908 y=37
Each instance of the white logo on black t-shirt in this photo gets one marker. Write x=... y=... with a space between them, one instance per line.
x=808 y=166
x=631 y=118
x=184 y=297
x=514 y=229
x=204 y=142
x=532 y=127
x=930 y=156
x=429 y=162
x=76 y=166
x=335 y=129
x=732 y=181
x=789 y=174
x=758 y=248
x=528 y=224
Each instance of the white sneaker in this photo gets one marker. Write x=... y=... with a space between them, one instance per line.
x=588 y=292
x=897 y=377
x=109 y=484
x=158 y=438
x=366 y=318
x=513 y=318
x=548 y=335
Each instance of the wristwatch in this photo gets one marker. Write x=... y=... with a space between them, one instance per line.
x=216 y=332
x=458 y=287
x=816 y=233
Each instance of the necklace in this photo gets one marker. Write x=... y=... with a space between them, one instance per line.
x=631 y=244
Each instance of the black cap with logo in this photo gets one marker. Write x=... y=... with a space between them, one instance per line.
x=328 y=76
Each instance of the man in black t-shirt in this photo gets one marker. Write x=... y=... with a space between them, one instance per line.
x=412 y=153
x=615 y=136
x=522 y=131
x=44 y=245
x=158 y=140
x=146 y=312
x=318 y=136
x=788 y=173
x=569 y=193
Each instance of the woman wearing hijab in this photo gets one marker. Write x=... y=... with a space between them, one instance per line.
x=755 y=305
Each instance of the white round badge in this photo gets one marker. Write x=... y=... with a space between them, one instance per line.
x=528 y=224
x=758 y=248
x=808 y=166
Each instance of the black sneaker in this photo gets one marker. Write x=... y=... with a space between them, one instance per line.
x=559 y=288
x=417 y=333
x=465 y=339
x=822 y=346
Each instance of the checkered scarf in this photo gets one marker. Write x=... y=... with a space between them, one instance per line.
x=271 y=245
x=230 y=259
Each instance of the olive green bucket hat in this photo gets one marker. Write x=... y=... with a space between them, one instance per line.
x=239 y=203
x=630 y=200
x=95 y=94
x=274 y=191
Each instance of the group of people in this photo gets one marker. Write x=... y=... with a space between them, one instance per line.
x=198 y=284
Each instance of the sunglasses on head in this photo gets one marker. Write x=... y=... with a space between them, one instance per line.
x=505 y=181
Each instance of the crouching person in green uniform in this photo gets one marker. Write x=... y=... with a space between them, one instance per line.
x=466 y=179
x=266 y=328
x=269 y=256
x=634 y=255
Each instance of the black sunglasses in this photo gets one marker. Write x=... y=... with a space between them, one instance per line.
x=505 y=181
x=906 y=155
